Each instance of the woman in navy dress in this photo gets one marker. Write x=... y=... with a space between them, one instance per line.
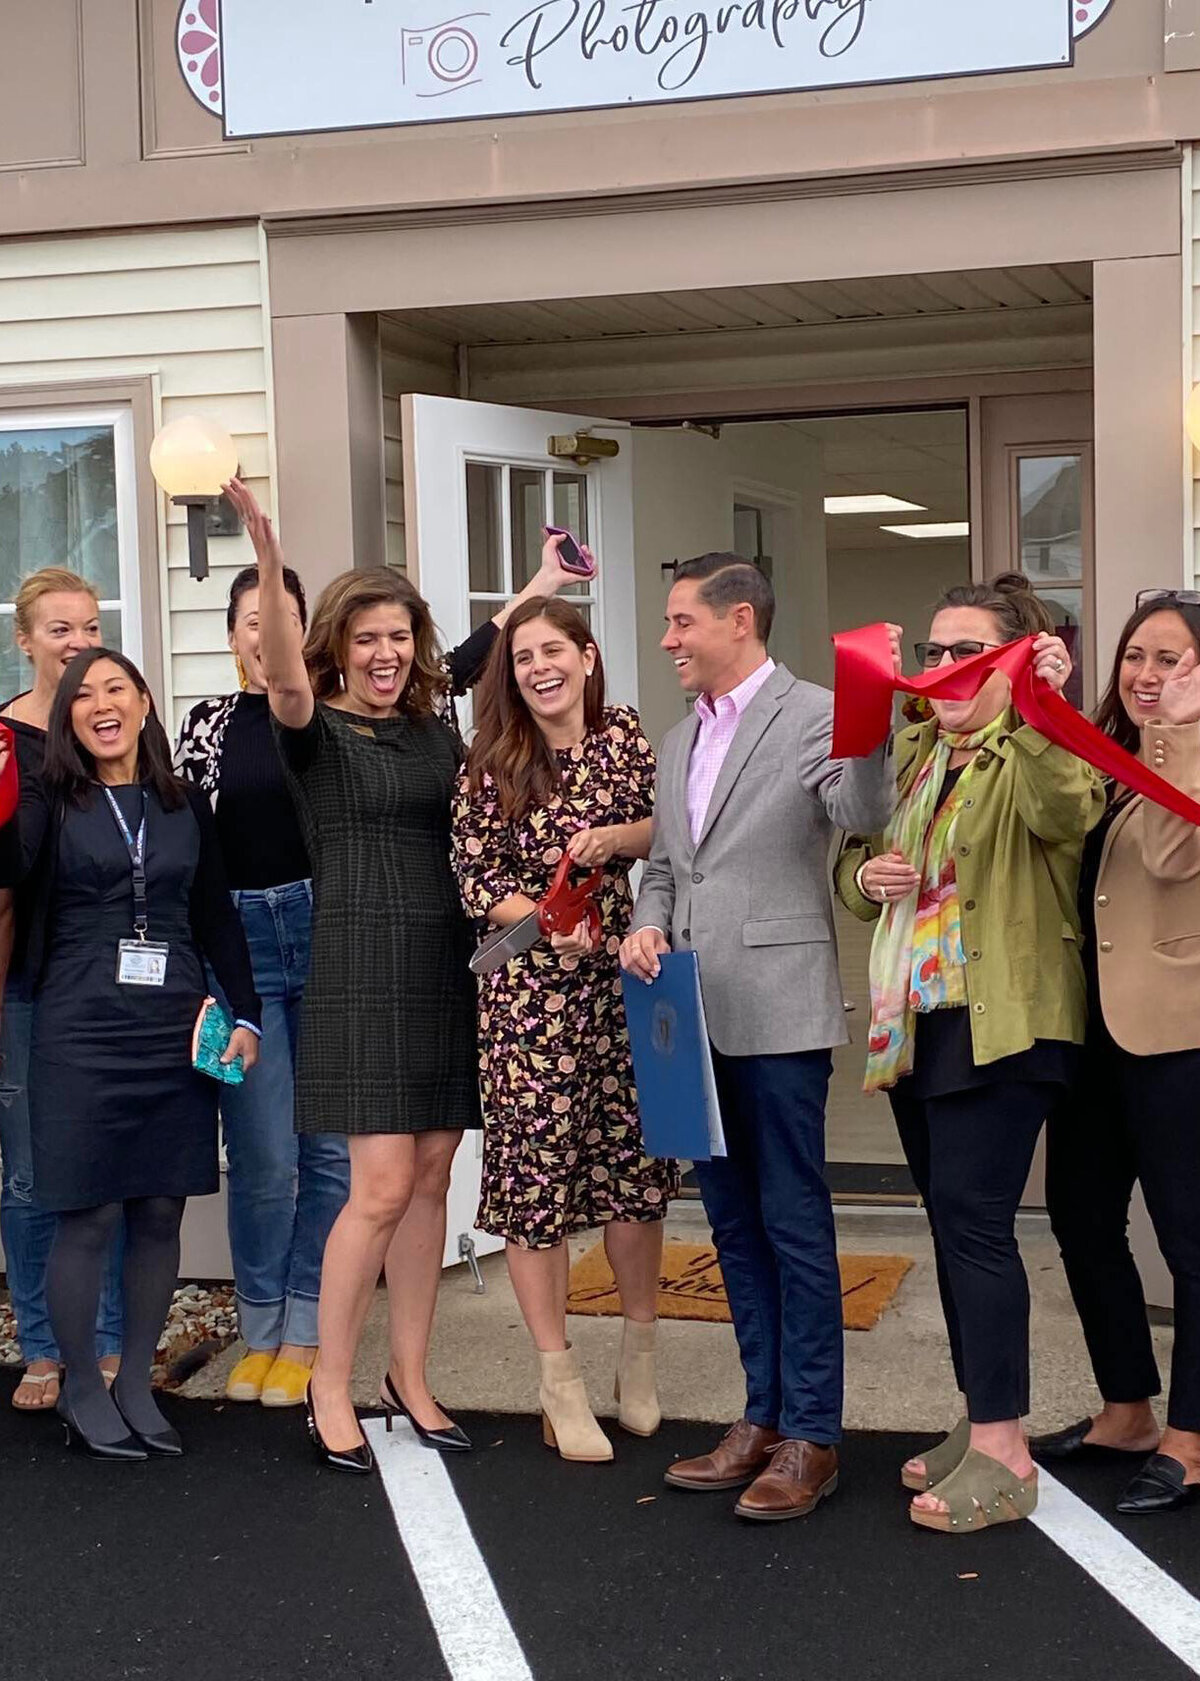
x=122 y=1124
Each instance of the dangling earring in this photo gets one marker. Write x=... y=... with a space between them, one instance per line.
x=243 y=681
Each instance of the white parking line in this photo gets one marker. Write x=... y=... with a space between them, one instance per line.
x=475 y=1635
x=1145 y=1590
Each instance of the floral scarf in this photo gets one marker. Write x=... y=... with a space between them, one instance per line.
x=917 y=961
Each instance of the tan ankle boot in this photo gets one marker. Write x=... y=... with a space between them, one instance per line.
x=567 y=1420
x=635 y=1391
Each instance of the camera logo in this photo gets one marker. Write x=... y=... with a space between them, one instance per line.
x=440 y=60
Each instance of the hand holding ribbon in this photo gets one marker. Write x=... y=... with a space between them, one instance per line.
x=865 y=681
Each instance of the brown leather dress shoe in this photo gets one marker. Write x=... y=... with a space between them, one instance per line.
x=799 y=1476
x=738 y=1458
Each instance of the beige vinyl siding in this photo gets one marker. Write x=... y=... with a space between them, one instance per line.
x=186 y=308
x=409 y=361
x=1192 y=355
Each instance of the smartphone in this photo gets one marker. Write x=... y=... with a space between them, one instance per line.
x=570 y=553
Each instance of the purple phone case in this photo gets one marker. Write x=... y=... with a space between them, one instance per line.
x=570 y=553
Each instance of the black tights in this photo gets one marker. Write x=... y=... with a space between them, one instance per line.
x=73 y=1279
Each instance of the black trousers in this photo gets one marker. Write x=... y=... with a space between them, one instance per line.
x=970 y=1153
x=1130 y=1118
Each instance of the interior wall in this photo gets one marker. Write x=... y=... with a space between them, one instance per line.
x=685 y=485
x=905 y=586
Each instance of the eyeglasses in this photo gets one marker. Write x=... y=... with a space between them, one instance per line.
x=931 y=654
x=1189 y=598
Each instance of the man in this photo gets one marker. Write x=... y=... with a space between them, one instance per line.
x=748 y=799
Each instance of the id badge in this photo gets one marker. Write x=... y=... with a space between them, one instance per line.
x=142 y=962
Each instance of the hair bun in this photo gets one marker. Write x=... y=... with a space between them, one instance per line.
x=1011 y=583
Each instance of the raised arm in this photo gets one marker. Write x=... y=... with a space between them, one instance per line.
x=281 y=640
x=1171 y=746
x=466 y=662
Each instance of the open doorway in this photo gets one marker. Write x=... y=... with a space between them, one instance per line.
x=855 y=518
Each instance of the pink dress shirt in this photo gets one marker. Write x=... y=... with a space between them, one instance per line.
x=718 y=720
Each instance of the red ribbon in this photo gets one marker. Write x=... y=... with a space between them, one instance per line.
x=9 y=784
x=864 y=683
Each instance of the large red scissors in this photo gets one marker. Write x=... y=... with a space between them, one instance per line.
x=560 y=912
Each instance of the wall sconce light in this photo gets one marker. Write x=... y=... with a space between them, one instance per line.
x=669 y=569
x=1191 y=416
x=191 y=458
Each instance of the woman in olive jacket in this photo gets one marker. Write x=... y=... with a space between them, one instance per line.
x=977 y=1008
x=1132 y=1113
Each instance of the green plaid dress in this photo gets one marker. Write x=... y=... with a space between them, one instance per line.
x=387 y=1028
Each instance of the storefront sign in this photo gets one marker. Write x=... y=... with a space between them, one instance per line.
x=296 y=66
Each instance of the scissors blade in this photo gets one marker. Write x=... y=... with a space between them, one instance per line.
x=506 y=943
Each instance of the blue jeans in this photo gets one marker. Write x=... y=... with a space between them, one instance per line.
x=285 y=1192
x=27 y=1231
x=772 y=1221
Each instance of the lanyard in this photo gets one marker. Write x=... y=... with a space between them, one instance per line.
x=137 y=857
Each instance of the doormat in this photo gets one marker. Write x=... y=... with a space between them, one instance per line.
x=691 y=1286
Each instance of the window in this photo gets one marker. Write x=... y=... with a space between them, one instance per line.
x=1053 y=498
x=507 y=508
x=67 y=498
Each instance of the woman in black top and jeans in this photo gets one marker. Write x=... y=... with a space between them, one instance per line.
x=285 y=1192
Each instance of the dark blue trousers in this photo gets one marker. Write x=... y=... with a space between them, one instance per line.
x=772 y=1222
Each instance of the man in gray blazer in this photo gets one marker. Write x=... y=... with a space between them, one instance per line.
x=748 y=800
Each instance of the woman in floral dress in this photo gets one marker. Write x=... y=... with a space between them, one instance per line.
x=553 y=769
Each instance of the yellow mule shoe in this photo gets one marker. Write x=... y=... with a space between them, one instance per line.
x=248 y=1376
x=286 y=1385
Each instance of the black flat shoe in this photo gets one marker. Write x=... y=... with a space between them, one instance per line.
x=1158 y=1487
x=452 y=1440
x=1070 y=1444
x=360 y=1460
x=128 y=1448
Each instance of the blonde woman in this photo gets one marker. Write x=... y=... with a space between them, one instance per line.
x=387 y=1051
x=55 y=616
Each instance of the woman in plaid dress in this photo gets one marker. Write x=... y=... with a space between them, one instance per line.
x=386 y=1050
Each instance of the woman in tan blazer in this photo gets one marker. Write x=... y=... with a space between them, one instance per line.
x=1133 y=1115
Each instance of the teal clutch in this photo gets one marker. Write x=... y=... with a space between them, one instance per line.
x=210 y=1040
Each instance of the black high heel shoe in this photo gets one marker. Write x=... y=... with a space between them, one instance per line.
x=452 y=1440
x=161 y=1444
x=359 y=1460
x=128 y=1448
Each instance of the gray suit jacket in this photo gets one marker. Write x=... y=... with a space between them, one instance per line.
x=752 y=897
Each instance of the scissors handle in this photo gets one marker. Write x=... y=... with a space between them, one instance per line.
x=565 y=907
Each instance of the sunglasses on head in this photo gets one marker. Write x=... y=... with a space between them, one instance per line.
x=931 y=654
x=1189 y=598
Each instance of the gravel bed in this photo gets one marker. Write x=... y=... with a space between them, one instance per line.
x=202 y=1321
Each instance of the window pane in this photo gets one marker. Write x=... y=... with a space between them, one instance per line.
x=485 y=543
x=527 y=493
x=570 y=503
x=58 y=505
x=1067 y=607
x=1050 y=496
x=482 y=611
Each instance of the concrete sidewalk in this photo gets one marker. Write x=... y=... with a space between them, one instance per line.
x=897 y=1375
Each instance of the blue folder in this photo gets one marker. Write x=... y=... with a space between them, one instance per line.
x=672 y=1061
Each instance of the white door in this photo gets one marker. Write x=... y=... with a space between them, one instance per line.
x=479 y=485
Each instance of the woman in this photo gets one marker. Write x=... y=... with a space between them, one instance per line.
x=977 y=1005
x=552 y=769
x=285 y=1190
x=129 y=900
x=387 y=1036
x=55 y=616
x=1132 y=1113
